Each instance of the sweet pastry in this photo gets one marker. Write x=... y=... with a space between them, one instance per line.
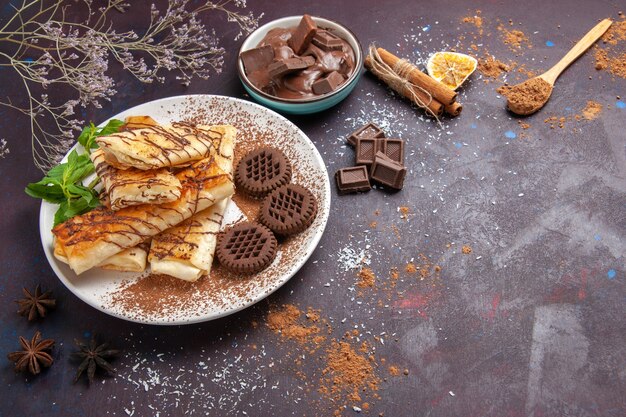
x=155 y=147
x=88 y=239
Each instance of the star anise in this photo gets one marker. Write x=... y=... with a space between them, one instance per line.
x=33 y=305
x=93 y=356
x=34 y=354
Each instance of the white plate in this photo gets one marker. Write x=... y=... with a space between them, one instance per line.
x=212 y=299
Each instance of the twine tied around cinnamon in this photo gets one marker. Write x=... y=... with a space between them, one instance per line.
x=397 y=77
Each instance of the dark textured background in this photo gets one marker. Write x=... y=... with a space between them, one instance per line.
x=531 y=323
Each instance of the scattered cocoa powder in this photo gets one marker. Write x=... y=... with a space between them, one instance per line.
x=515 y=38
x=367 y=278
x=526 y=97
x=348 y=375
x=475 y=20
x=592 y=110
x=555 y=122
x=615 y=33
x=394 y=371
x=491 y=67
x=609 y=57
x=285 y=320
x=525 y=71
x=466 y=249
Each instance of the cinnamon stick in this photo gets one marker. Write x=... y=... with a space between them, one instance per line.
x=438 y=90
x=434 y=106
x=453 y=109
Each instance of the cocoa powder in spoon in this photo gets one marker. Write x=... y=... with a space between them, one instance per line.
x=528 y=96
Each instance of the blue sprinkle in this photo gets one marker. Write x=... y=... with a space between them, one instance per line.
x=611 y=274
x=568 y=109
x=598 y=237
x=510 y=134
x=549 y=43
x=28 y=60
x=426 y=28
x=458 y=145
x=87 y=335
x=473 y=126
x=620 y=105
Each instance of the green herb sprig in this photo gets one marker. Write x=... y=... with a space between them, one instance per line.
x=89 y=134
x=63 y=185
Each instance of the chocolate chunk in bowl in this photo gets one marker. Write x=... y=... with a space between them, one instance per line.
x=303 y=35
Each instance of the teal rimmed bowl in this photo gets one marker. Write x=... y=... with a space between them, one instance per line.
x=305 y=105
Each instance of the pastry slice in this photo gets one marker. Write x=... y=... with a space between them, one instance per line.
x=130 y=187
x=88 y=239
x=174 y=145
x=186 y=251
x=128 y=260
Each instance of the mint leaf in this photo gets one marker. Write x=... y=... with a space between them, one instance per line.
x=88 y=136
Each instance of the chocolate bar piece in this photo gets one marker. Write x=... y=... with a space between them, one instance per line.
x=303 y=35
x=257 y=58
x=286 y=66
x=352 y=180
x=328 y=83
x=387 y=172
x=366 y=149
x=327 y=41
x=370 y=130
x=393 y=149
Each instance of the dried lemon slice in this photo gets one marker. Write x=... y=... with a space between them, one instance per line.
x=451 y=68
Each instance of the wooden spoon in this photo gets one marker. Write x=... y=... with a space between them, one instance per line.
x=531 y=95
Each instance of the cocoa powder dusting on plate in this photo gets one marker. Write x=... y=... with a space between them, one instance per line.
x=152 y=297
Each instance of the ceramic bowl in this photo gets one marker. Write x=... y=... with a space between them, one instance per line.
x=305 y=105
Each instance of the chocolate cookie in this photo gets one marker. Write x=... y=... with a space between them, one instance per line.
x=288 y=210
x=262 y=171
x=246 y=248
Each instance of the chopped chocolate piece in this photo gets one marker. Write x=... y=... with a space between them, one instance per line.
x=257 y=58
x=303 y=35
x=366 y=149
x=387 y=172
x=352 y=180
x=327 y=41
x=328 y=83
x=393 y=149
x=285 y=66
x=308 y=60
x=370 y=130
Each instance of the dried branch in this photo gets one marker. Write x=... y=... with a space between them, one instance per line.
x=47 y=51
